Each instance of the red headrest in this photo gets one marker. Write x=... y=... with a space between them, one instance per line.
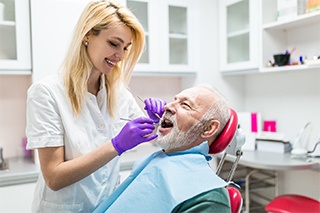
x=226 y=136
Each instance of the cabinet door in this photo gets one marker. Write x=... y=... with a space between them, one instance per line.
x=17 y=198
x=170 y=36
x=143 y=10
x=52 y=27
x=238 y=35
x=15 y=53
x=180 y=35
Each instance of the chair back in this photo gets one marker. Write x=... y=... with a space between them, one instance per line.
x=227 y=134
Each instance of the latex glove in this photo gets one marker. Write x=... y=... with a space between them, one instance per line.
x=154 y=108
x=133 y=133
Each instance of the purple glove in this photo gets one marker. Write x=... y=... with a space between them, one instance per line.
x=154 y=108
x=133 y=133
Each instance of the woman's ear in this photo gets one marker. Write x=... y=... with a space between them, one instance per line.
x=210 y=129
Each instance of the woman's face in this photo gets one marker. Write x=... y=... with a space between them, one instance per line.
x=108 y=47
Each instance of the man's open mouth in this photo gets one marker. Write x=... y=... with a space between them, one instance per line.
x=166 y=123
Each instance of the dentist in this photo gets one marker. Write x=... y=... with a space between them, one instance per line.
x=73 y=117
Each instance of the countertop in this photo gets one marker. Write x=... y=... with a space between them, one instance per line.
x=23 y=170
x=275 y=161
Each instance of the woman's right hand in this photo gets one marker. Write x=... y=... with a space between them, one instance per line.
x=133 y=133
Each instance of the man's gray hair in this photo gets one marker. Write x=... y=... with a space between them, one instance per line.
x=219 y=110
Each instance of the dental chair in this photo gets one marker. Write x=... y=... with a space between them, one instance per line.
x=230 y=140
x=293 y=203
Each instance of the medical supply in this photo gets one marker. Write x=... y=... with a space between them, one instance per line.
x=125 y=119
x=281 y=59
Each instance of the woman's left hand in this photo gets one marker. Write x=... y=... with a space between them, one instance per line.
x=154 y=108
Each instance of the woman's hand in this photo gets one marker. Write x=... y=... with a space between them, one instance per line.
x=154 y=108
x=133 y=133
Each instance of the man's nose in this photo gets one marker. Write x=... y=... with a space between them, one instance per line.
x=170 y=107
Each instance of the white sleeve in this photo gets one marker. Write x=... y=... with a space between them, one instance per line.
x=44 y=126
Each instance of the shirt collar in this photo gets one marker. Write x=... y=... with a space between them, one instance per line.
x=203 y=149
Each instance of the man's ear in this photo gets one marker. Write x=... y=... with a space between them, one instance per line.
x=210 y=129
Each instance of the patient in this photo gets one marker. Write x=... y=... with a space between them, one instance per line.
x=180 y=170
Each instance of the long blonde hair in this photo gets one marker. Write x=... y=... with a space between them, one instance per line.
x=99 y=15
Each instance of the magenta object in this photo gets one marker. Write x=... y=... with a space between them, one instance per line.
x=27 y=153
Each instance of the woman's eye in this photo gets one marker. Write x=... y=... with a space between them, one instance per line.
x=113 y=44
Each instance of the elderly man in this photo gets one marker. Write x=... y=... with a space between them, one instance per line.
x=180 y=170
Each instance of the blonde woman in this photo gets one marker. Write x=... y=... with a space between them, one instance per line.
x=73 y=117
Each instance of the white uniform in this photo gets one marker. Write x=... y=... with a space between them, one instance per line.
x=50 y=123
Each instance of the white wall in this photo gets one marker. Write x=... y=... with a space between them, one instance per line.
x=13 y=94
x=292 y=99
x=161 y=87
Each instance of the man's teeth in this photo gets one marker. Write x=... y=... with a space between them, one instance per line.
x=111 y=62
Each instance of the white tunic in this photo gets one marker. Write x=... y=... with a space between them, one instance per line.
x=50 y=123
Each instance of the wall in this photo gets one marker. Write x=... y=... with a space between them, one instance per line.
x=161 y=87
x=292 y=99
x=13 y=93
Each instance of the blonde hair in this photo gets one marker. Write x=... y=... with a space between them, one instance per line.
x=99 y=15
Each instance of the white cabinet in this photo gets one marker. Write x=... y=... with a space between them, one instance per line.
x=299 y=35
x=16 y=198
x=250 y=34
x=170 y=27
x=52 y=24
x=238 y=35
x=15 y=52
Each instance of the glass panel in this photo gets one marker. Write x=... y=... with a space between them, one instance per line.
x=178 y=20
x=178 y=51
x=145 y=55
x=140 y=10
x=178 y=41
x=238 y=32
x=8 y=46
x=238 y=48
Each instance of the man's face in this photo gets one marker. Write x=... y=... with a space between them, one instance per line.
x=180 y=126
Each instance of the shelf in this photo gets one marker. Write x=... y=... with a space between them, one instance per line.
x=238 y=33
x=7 y=23
x=290 y=68
x=298 y=22
x=178 y=36
x=15 y=72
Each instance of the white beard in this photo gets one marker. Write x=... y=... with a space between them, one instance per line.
x=176 y=138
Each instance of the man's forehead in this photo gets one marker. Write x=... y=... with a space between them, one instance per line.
x=196 y=94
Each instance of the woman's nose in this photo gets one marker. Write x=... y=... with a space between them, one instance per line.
x=119 y=55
